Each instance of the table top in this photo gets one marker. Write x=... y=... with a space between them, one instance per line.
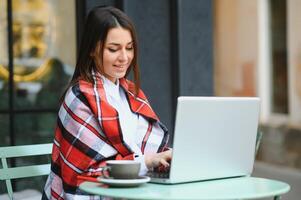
x=231 y=188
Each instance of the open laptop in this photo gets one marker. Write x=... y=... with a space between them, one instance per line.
x=214 y=137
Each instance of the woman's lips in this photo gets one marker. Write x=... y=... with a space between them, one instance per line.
x=120 y=66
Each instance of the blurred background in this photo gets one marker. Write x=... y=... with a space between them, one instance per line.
x=191 y=47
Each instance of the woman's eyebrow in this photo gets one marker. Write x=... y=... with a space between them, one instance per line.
x=117 y=44
x=112 y=43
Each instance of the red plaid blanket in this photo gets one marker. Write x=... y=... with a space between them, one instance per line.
x=88 y=133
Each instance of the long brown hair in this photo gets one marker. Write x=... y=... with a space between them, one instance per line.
x=98 y=23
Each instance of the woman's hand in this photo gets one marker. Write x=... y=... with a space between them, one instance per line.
x=158 y=159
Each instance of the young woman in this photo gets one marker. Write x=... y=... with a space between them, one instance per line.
x=103 y=115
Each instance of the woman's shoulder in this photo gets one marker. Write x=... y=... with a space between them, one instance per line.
x=78 y=90
x=82 y=87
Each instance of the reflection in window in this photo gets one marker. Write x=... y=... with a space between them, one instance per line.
x=39 y=129
x=44 y=51
x=4 y=124
x=3 y=53
x=44 y=47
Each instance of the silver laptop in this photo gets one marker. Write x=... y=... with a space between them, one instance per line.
x=214 y=138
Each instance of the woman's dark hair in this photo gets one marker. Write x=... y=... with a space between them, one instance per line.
x=98 y=23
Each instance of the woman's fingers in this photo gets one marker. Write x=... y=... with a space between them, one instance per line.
x=164 y=163
x=155 y=160
x=167 y=155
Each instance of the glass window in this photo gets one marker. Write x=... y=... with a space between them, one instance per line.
x=44 y=40
x=279 y=56
x=4 y=141
x=3 y=56
x=44 y=56
x=4 y=129
x=34 y=128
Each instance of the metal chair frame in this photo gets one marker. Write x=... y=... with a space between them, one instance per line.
x=9 y=173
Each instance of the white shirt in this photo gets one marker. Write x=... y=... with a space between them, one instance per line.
x=116 y=97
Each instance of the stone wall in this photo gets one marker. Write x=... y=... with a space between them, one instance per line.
x=280 y=146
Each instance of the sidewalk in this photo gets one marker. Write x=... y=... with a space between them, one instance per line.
x=288 y=175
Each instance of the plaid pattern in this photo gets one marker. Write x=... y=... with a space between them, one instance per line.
x=88 y=133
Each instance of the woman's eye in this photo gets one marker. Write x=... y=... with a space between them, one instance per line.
x=129 y=48
x=112 y=50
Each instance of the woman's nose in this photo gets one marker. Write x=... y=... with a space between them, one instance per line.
x=123 y=56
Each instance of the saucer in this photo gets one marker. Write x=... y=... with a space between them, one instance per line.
x=124 y=182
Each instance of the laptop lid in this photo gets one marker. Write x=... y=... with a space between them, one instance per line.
x=214 y=138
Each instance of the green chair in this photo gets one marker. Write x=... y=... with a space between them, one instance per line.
x=258 y=141
x=7 y=173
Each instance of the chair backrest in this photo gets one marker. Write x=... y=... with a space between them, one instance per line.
x=7 y=173
x=258 y=141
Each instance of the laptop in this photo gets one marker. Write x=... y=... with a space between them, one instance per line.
x=214 y=138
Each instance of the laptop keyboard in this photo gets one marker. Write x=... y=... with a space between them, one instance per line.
x=155 y=174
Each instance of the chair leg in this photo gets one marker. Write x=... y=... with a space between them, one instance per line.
x=277 y=197
x=9 y=189
x=7 y=181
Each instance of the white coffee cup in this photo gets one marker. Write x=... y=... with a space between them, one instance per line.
x=122 y=169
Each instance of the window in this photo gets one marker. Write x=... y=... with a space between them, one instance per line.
x=44 y=56
x=278 y=30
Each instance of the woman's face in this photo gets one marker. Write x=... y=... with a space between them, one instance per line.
x=118 y=53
